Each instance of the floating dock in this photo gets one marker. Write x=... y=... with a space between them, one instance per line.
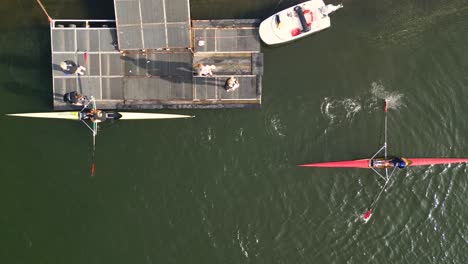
x=145 y=58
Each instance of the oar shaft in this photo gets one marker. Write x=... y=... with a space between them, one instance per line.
x=44 y=10
x=385 y=143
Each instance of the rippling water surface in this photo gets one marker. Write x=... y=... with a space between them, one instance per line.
x=224 y=187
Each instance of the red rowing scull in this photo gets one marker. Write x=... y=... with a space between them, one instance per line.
x=385 y=163
x=367 y=163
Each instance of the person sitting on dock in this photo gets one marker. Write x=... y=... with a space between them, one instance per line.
x=232 y=84
x=75 y=98
x=70 y=67
x=205 y=70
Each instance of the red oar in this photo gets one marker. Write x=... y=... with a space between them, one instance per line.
x=94 y=150
x=366 y=217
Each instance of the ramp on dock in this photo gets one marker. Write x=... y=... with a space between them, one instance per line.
x=152 y=24
x=229 y=35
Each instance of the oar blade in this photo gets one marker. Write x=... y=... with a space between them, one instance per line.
x=367 y=216
x=92 y=169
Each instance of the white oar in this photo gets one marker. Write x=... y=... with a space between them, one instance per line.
x=385 y=138
x=95 y=130
x=94 y=147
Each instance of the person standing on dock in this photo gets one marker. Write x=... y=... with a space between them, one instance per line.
x=70 y=67
x=205 y=70
x=232 y=84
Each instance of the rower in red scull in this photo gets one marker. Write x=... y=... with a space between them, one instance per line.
x=385 y=163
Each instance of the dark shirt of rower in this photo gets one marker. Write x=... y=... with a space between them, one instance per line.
x=399 y=162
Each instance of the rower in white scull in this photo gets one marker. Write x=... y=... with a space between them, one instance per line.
x=90 y=114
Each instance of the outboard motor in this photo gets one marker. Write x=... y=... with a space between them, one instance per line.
x=300 y=14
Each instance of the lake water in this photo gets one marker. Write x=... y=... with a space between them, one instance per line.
x=224 y=187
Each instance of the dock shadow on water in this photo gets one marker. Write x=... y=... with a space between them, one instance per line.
x=181 y=71
x=150 y=67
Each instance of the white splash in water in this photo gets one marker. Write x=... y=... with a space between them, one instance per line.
x=345 y=109
x=241 y=245
x=240 y=135
x=276 y=126
x=352 y=107
x=210 y=134
x=436 y=201
x=338 y=110
x=394 y=99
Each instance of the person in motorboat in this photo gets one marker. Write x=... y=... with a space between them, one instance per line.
x=75 y=98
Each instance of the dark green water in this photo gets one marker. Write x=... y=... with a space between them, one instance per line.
x=224 y=187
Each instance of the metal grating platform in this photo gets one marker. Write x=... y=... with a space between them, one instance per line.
x=226 y=35
x=152 y=24
x=150 y=79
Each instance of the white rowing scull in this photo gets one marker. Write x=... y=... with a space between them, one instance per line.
x=89 y=113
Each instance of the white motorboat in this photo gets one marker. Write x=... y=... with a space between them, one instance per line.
x=296 y=22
